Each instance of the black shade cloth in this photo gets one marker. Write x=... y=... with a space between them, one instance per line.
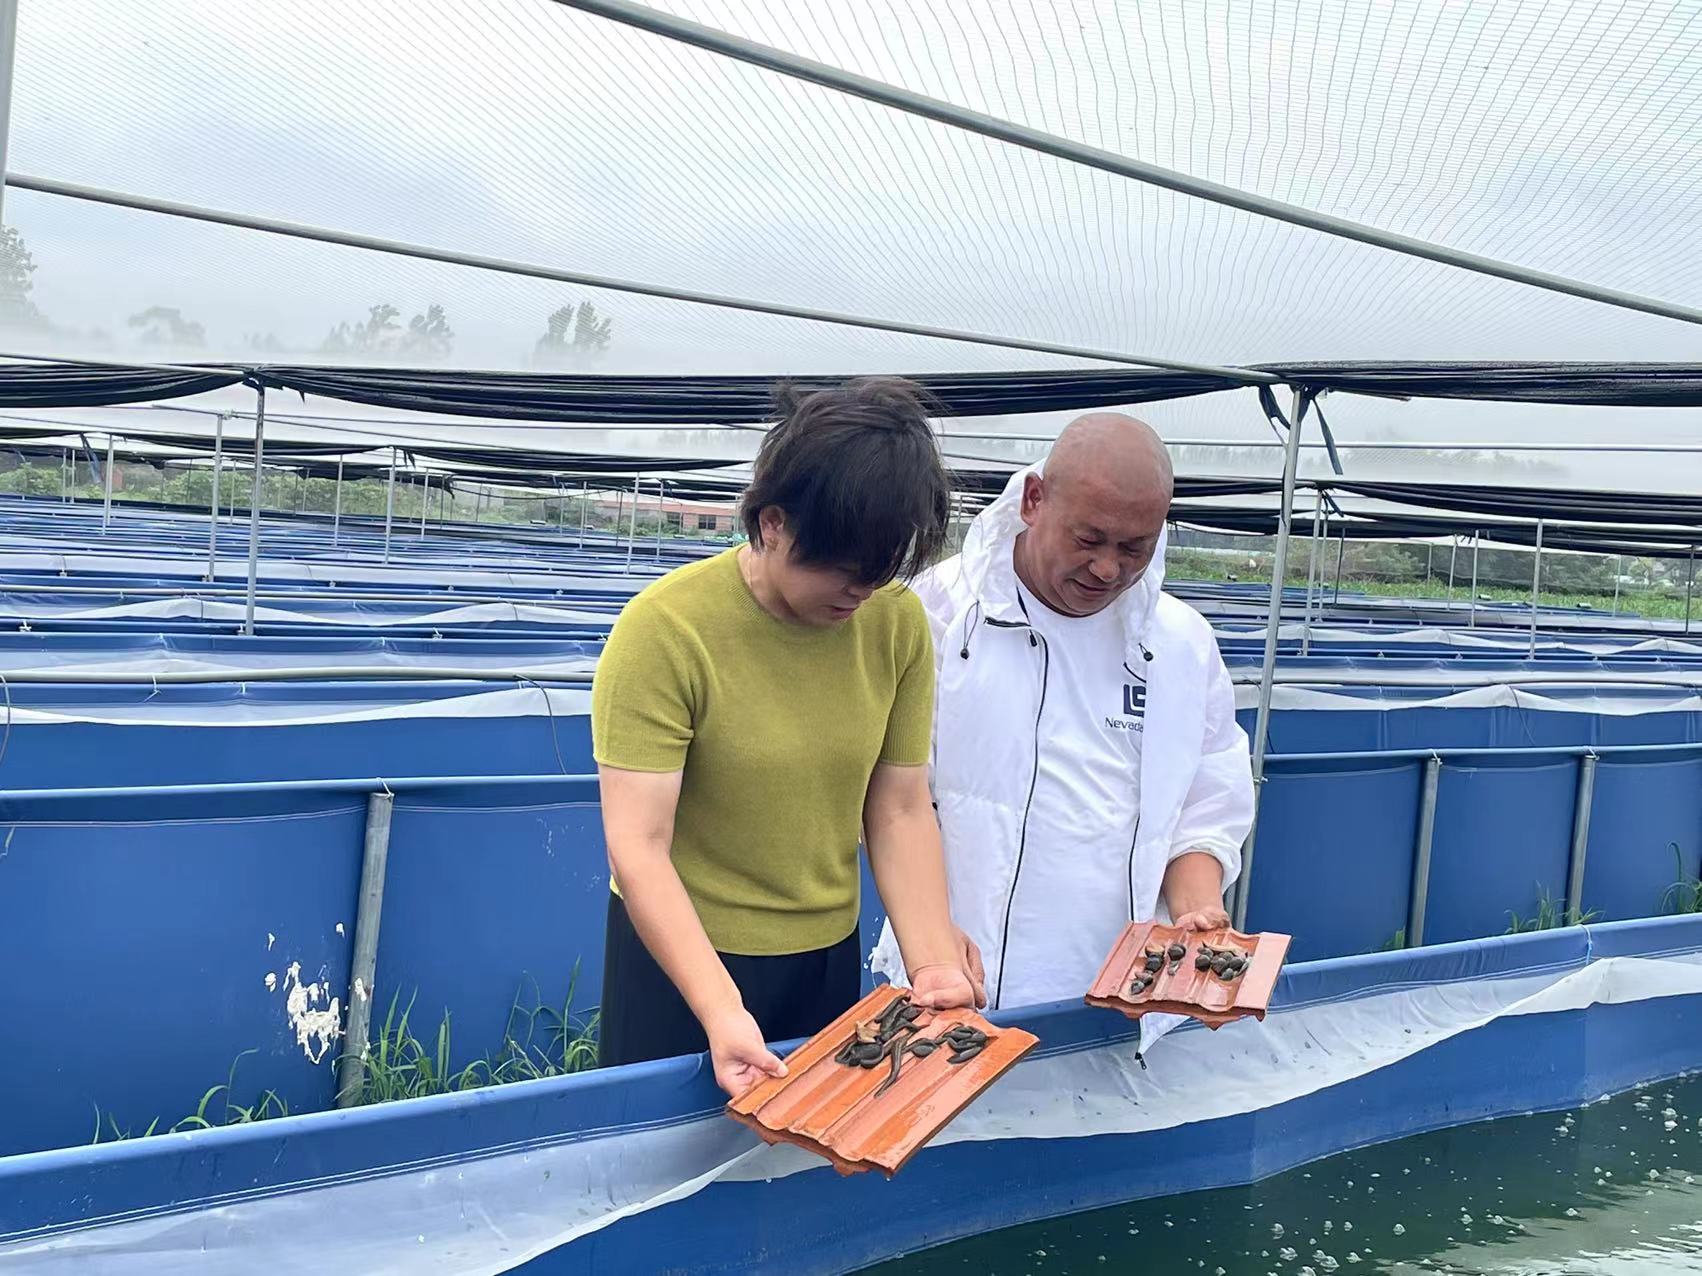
x=560 y=462
x=70 y=385
x=734 y=400
x=714 y=400
x=1534 y=502
x=1668 y=385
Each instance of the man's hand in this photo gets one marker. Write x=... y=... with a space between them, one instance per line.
x=740 y=1056
x=943 y=985
x=973 y=966
x=1211 y=917
x=1193 y=891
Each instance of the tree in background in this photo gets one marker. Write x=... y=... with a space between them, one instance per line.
x=17 y=268
x=371 y=335
x=429 y=338
x=166 y=326
x=573 y=337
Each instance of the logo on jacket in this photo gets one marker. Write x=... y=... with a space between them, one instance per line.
x=1134 y=710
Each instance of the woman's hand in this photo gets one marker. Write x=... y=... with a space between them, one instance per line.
x=973 y=966
x=738 y=1053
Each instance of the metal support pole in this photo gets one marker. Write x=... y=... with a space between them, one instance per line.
x=63 y=490
x=584 y=507
x=8 y=51
x=1421 y=852
x=390 y=505
x=1580 y=838
x=1267 y=670
x=1311 y=574
x=254 y=508
x=106 y=502
x=337 y=504
x=1477 y=544
x=363 y=965
x=561 y=511
x=632 y=527
x=661 y=514
x=213 y=519
x=1618 y=571
x=1341 y=553
x=1689 y=585
x=1536 y=586
x=425 y=501
x=1453 y=556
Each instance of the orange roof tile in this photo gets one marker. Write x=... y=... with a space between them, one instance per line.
x=1180 y=985
x=860 y=1118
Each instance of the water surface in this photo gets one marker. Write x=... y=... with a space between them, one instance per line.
x=1611 y=1189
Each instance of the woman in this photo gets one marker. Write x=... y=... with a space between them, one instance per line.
x=753 y=715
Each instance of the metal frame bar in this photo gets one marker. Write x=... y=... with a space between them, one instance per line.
x=632 y=527
x=1477 y=544
x=661 y=514
x=1536 y=586
x=337 y=503
x=1689 y=586
x=363 y=966
x=106 y=500
x=213 y=509
x=254 y=508
x=1311 y=573
x=1580 y=837
x=790 y=64
x=1267 y=670
x=1420 y=897
x=390 y=505
x=534 y=270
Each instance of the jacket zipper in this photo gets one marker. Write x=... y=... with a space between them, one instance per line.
x=1039 y=640
x=1132 y=843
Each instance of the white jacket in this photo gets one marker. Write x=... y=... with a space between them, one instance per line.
x=1196 y=791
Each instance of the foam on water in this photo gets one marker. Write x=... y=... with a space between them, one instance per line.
x=1607 y=1189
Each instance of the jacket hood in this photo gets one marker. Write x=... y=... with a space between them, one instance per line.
x=990 y=573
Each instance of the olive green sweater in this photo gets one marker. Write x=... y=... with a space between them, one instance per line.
x=776 y=728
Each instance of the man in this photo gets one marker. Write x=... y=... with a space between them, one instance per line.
x=1088 y=769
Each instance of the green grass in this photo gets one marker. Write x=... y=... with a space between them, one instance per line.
x=1395 y=942
x=1685 y=894
x=538 y=1041
x=1191 y=564
x=1551 y=914
x=215 y=1109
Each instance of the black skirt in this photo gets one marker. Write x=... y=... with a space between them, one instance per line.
x=644 y=1017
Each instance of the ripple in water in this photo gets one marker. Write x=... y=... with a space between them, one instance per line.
x=1612 y=1189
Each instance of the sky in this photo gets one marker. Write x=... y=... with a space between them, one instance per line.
x=1560 y=135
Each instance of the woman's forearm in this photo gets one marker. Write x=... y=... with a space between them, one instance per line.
x=663 y=915
x=903 y=841
x=638 y=825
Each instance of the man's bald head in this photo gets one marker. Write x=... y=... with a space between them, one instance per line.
x=1094 y=517
x=1116 y=450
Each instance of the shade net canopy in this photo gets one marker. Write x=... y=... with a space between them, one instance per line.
x=1551 y=134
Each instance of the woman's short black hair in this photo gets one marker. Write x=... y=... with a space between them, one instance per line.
x=857 y=473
